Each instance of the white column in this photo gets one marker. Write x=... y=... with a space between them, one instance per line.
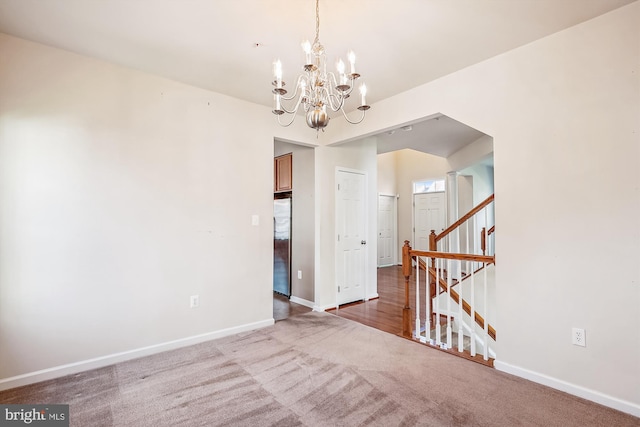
x=452 y=197
x=452 y=216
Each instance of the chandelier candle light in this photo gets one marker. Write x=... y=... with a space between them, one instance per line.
x=316 y=88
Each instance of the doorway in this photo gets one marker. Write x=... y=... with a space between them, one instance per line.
x=351 y=236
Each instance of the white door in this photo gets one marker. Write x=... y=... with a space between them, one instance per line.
x=351 y=238
x=386 y=230
x=429 y=214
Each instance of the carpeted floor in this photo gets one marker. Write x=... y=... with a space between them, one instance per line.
x=313 y=369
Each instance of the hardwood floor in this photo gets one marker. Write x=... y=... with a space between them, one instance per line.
x=384 y=312
x=283 y=308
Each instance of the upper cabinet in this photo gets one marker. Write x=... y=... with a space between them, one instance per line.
x=283 y=173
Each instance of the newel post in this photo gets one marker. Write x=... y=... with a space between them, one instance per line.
x=433 y=246
x=406 y=272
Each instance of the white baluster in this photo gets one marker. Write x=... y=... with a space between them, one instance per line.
x=460 y=293
x=449 y=283
x=476 y=245
x=466 y=224
x=427 y=310
x=472 y=306
x=486 y=306
x=417 y=332
x=460 y=303
x=437 y=299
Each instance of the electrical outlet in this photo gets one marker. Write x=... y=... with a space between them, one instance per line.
x=194 y=301
x=578 y=337
x=299 y=274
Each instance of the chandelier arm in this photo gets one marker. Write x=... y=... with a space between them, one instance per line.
x=295 y=93
x=339 y=100
x=332 y=76
x=338 y=95
x=295 y=109
x=335 y=101
x=347 y=118
x=289 y=98
x=293 y=117
x=332 y=79
x=348 y=91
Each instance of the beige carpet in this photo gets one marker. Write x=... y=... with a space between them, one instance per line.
x=313 y=369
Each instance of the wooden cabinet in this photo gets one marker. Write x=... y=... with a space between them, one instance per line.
x=283 y=180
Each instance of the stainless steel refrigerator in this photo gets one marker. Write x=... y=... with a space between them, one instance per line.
x=282 y=244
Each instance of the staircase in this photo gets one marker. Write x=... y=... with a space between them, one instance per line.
x=453 y=287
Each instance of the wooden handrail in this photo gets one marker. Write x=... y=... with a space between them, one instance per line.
x=446 y=255
x=465 y=306
x=468 y=215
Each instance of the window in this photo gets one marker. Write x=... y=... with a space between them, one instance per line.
x=430 y=186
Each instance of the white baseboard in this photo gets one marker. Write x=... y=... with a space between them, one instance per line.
x=330 y=306
x=301 y=301
x=585 y=393
x=323 y=307
x=100 y=362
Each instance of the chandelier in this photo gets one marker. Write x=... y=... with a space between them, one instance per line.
x=316 y=89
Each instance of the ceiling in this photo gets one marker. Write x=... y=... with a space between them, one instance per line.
x=229 y=46
x=445 y=136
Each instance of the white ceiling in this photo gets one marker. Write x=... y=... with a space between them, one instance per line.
x=445 y=134
x=228 y=46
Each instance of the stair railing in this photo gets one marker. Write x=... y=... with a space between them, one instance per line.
x=432 y=319
x=460 y=237
x=458 y=254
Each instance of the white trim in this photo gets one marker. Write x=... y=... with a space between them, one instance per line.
x=576 y=390
x=301 y=301
x=102 y=361
x=321 y=308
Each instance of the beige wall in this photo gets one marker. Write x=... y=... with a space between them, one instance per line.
x=121 y=195
x=387 y=174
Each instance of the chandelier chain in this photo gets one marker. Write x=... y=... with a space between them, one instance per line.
x=317 y=39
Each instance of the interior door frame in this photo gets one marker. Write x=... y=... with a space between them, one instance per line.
x=394 y=210
x=365 y=220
